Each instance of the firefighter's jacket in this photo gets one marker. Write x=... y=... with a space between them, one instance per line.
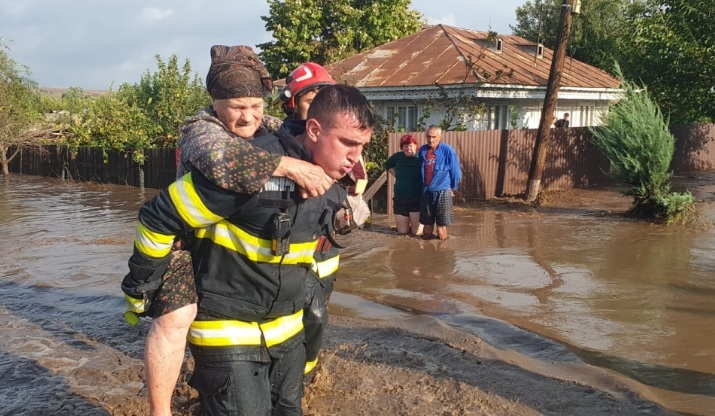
x=238 y=276
x=327 y=257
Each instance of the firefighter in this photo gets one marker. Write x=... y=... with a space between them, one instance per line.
x=302 y=85
x=215 y=142
x=250 y=278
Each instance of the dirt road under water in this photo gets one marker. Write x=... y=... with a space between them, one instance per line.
x=564 y=309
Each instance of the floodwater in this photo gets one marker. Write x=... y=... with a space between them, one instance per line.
x=633 y=298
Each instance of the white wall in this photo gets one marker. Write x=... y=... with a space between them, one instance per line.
x=499 y=114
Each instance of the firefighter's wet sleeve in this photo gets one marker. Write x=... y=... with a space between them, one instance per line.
x=190 y=203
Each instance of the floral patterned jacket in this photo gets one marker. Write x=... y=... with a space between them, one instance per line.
x=227 y=160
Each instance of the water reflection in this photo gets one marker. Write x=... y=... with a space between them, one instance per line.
x=420 y=269
x=604 y=287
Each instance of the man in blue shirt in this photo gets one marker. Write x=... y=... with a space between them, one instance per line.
x=441 y=175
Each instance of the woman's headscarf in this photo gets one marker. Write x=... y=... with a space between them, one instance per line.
x=237 y=72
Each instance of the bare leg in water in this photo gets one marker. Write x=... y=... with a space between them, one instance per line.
x=163 y=356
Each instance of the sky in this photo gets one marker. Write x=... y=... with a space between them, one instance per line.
x=100 y=44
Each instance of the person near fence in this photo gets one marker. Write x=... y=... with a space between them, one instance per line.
x=562 y=122
x=251 y=256
x=405 y=166
x=302 y=84
x=441 y=175
x=214 y=142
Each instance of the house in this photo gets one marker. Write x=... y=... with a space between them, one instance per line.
x=424 y=77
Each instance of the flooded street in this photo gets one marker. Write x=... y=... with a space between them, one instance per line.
x=633 y=298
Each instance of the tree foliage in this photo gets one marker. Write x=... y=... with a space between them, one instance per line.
x=375 y=153
x=672 y=51
x=636 y=140
x=668 y=45
x=597 y=34
x=167 y=97
x=326 y=31
x=112 y=122
x=144 y=115
x=19 y=106
x=538 y=21
x=461 y=107
x=74 y=100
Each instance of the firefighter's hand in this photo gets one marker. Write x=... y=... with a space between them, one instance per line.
x=311 y=179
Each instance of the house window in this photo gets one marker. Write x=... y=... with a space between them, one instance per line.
x=586 y=116
x=411 y=118
x=499 y=45
x=499 y=116
x=539 y=50
x=403 y=117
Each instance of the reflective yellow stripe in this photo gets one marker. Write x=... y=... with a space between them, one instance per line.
x=325 y=268
x=224 y=333
x=256 y=249
x=360 y=186
x=310 y=365
x=135 y=305
x=230 y=333
x=151 y=243
x=283 y=328
x=189 y=204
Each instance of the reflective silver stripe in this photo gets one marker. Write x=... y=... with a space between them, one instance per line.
x=283 y=328
x=224 y=333
x=279 y=184
x=325 y=268
x=135 y=305
x=152 y=243
x=189 y=204
x=234 y=332
x=256 y=249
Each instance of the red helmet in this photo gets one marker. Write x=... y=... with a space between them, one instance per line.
x=305 y=77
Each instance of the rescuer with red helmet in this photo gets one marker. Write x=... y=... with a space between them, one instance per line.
x=301 y=86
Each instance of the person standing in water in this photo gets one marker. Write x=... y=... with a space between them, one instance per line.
x=405 y=166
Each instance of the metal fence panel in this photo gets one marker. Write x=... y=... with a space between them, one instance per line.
x=496 y=162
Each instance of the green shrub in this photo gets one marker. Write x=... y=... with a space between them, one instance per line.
x=139 y=116
x=110 y=122
x=167 y=97
x=636 y=140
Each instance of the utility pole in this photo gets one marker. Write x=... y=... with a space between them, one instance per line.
x=543 y=134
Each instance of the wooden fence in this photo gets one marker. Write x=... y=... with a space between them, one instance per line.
x=494 y=162
x=497 y=162
x=93 y=164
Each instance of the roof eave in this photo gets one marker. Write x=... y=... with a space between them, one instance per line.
x=492 y=91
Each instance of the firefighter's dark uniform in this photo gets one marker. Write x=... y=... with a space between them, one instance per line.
x=319 y=285
x=248 y=338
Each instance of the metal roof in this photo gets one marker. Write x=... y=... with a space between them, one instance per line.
x=447 y=55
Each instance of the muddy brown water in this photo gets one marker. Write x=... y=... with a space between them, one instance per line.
x=630 y=297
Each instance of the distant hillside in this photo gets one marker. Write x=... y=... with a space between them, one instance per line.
x=57 y=92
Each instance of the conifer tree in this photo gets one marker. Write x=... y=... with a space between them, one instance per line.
x=636 y=140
